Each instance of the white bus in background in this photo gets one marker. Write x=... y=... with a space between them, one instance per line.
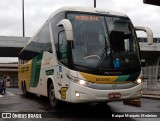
x=83 y=55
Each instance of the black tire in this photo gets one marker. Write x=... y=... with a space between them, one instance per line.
x=22 y=86
x=24 y=89
x=51 y=95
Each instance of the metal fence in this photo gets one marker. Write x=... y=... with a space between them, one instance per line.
x=151 y=78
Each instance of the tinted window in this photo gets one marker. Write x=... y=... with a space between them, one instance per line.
x=46 y=40
x=90 y=41
x=40 y=43
x=55 y=28
x=63 y=48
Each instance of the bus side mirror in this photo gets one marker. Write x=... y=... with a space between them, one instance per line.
x=67 y=28
x=69 y=38
x=149 y=33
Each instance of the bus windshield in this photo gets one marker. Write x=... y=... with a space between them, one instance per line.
x=103 y=43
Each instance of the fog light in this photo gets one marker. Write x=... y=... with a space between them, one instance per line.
x=77 y=94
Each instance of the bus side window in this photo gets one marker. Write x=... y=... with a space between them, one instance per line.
x=56 y=29
x=46 y=39
x=62 y=48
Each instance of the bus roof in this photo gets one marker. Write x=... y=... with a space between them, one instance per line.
x=88 y=10
x=78 y=9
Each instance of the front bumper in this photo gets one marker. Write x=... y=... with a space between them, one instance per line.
x=93 y=95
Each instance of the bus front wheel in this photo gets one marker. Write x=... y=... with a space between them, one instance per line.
x=51 y=94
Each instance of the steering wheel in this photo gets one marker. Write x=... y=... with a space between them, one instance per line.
x=92 y=56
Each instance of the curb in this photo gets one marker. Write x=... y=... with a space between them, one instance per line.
x=151 y=96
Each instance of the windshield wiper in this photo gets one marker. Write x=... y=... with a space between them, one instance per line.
x=104 y=53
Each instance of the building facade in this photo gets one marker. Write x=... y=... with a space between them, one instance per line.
x=10 y=71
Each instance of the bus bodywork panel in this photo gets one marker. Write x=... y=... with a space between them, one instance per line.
x=100 y=64
x=95 y=90
x=93 y=95
x=36 y=72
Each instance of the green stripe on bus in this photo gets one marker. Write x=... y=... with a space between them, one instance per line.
x=50 y=72
x=35 y=71
x=122 y=78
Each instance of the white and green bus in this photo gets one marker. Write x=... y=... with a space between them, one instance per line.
x=83 y=55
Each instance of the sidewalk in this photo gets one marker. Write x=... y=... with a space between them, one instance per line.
x=151 y=94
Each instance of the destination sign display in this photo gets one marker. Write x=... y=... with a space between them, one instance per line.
x=87 y=18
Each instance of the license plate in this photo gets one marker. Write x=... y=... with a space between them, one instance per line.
x=114 y=95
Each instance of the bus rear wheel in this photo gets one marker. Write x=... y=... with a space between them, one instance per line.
x=24 y=89
x=52 y=98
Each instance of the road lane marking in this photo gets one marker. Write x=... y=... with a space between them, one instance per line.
x=10 y=93
x=1 y=96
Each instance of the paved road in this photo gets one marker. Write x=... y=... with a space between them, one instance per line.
x=14 y=101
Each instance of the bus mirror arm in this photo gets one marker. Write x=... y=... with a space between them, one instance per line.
x=69 y=36
x=67 y=28
x=148 y=31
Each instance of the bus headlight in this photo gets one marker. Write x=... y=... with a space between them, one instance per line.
x=78 y=81
x=138 y=81
x=82 y=82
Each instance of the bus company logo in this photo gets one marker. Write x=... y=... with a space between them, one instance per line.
x=114 y=86
x=63 y=92
x=6 y=115
x=114 y=73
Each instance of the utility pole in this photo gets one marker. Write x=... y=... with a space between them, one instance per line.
x=94 y=3
x=23 y=27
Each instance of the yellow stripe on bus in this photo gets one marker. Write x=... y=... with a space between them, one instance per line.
x=99 y=79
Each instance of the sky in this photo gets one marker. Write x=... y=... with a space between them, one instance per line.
x=38 y=11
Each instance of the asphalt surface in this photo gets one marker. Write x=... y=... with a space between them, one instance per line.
x=14 y=102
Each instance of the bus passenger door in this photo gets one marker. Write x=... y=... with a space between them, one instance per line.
x=63 y=58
